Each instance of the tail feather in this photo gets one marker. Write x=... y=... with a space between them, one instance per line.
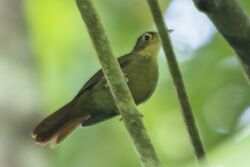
x=67 y=128
x=57 y=126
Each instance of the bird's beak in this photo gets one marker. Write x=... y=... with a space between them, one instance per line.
x=170 y=30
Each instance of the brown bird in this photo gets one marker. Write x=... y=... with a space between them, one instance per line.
x=94 y=102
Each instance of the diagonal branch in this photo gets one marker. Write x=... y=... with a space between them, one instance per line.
x=178 y=81
x=233 y=24
x=120 y=91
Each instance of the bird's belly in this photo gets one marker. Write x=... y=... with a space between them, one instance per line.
x=142 y=86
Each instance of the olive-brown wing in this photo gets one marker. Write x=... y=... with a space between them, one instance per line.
x=123 y=61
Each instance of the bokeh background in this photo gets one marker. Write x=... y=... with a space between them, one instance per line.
x=46 y=56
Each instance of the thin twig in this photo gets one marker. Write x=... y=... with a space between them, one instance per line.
x=178 y=81
x=233 y=23
x=120 y=91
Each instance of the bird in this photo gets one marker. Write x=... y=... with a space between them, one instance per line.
x=94 y=102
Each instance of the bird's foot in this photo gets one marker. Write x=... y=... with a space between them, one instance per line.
x=126 y=77
x=141 y=115
x=106 y=85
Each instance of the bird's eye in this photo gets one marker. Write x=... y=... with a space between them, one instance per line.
x=147 y=37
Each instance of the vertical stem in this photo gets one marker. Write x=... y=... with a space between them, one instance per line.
x=178 y=81
x=234 y=25
x=119 y=89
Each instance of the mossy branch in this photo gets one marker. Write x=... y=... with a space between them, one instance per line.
x=178 y=81
x=120 y=91
x=233 y=24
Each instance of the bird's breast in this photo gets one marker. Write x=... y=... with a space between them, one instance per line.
x=142 y=78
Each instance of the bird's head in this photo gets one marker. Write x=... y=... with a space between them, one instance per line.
x=147 y=44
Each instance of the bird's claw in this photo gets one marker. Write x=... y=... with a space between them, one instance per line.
x=141 y=115
x=126 y=77
x=106 y=85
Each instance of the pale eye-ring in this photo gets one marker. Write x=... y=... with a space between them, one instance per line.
x=147 y=37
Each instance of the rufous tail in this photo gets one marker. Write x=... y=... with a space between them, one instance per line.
x=56 y=127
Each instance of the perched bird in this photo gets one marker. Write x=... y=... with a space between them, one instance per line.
x=94 y=102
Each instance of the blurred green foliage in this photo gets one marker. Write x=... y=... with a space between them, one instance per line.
x=64 y=59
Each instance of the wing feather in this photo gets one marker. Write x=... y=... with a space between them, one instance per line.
x=123 y=61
